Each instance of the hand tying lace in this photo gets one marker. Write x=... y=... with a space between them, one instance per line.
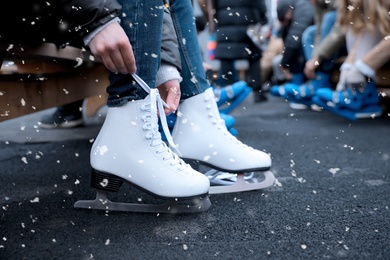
x=157 y=109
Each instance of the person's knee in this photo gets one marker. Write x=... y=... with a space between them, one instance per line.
x=274 y=48
x=278 y=73
x=328 y=20
x=308 y=35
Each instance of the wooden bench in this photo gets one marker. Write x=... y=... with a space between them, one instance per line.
x=33 y=79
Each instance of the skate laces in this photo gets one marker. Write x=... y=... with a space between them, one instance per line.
x=156 y=108
x=220 y=123
x=344 y=96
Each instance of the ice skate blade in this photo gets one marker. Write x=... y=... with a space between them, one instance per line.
x=241 y=184
x=101 y=202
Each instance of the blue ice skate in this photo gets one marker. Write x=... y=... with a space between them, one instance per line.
x=229 y=120
x=229 y=97
x=350 y=103
x=369 y=111
x=351 y=98
x=303 y=94
x=280 y=90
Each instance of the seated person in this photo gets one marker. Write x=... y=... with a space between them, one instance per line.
x=367 y=28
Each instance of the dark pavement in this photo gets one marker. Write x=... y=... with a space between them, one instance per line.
x=330 y=201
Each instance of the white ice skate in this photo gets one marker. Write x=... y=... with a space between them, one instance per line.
x=202 y=138
x=129 y=149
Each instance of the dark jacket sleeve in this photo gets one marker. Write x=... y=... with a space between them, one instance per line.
x=303 y=16
x=60 y=22
x=85 y=16
x=263 y=12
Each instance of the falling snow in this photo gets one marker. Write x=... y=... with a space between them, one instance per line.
x=211 y=218
x=79 y=62
x=102 y=150
x=334 y=170
x=35 y=200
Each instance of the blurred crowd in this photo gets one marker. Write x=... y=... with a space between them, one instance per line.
x=324 y=55
x=316 y=54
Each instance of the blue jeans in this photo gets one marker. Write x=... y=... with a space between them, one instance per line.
x=308 y=36
x=143 y=26
x=194 y=76
x=308 y=39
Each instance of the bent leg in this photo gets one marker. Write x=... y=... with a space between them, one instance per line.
x=142 y=23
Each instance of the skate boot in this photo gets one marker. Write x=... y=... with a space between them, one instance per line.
x=171 y=121
x=351 y=103
x=203 y=139
x=129 y=149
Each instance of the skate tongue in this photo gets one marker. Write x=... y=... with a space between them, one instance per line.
x=145 y=86
x=155 y=98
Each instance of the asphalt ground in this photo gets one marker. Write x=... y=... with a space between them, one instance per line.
x=330 y=201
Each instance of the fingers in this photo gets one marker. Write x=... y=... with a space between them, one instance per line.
x=173 y=99
x=129 y=60
x=170 y=93
x=287 y=74
x=309 y=73
x=310 y=68
x=113 y=48
x=120 y=61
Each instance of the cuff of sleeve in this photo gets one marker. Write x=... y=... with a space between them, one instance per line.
x=165 y=73
x=87 y=39
x=365 y=69
x=346 y=66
